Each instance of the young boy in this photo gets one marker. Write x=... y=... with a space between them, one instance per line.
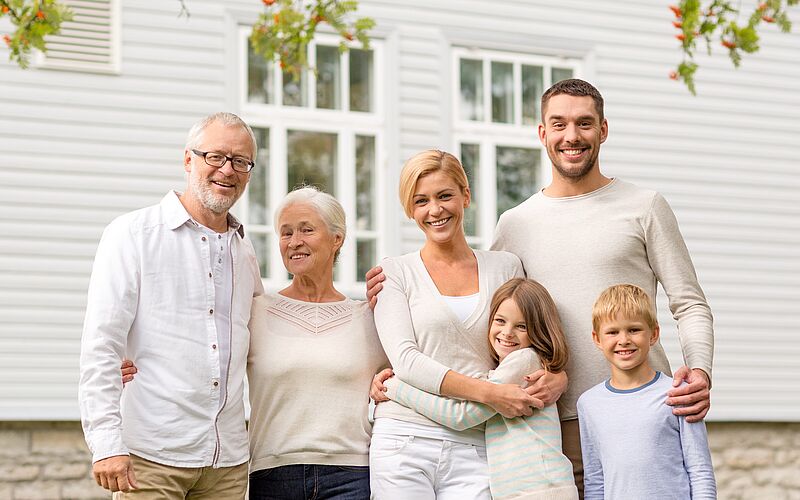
x=633 y=446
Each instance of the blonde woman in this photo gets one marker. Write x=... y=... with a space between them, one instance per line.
x=431 y=318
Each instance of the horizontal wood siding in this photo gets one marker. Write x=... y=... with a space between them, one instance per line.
x=77 y=149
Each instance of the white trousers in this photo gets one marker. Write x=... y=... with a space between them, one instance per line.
x=412 y=467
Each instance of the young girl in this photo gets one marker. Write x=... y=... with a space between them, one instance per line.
x=524 y=453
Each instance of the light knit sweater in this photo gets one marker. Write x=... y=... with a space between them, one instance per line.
x=422 y=336
x=578 y=246
x=524 y=453
x=310 y=368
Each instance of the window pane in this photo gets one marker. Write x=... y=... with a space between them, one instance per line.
x=360 y=80
x=471 y=106
x=261 y=245
x=471 y=159
x=259 y=77
x=502 y=92
x=532 y=90
x=295 y=92
x=311 y=160
x=365 y=182
x=365 y=257
x=516 y=176
x=561 y=74
x=257 y=188
x=328 y=77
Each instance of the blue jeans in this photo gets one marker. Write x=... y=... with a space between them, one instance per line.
x=310 y=482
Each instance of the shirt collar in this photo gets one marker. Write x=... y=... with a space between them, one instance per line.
x=175 y=214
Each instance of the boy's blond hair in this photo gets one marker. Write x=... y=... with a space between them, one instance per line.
x=628 y=300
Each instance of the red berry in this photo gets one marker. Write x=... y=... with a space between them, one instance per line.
x=5 y=9
x=673 y=75
x=40 y=15
x=677 y=24
x=768 y=19
x=728 y=44
x=762 y=6
x=676 y=10
x=349 y=36
x=268 y=2
x=680 y=36
x=7 y=39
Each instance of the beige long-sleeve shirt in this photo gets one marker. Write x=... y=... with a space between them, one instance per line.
x=421 y=334
x=578 y=246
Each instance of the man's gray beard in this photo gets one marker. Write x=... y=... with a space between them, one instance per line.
x=217 y=204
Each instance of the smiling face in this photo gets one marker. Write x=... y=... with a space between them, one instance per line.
x=572 y=133
x=625 y=342
x=438 y=207
x=211 y=188
x=508 y=331
x=308 y=247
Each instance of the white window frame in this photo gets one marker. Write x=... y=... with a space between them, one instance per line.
x=489 y=135
x=346 y=125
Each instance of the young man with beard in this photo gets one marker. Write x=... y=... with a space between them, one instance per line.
x=585 y=232
x=171 y=287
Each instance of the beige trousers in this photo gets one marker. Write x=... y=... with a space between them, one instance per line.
x=164 y=482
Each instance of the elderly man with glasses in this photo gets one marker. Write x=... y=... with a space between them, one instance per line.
x=171 y=287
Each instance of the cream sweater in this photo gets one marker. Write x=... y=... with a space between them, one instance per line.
x=310 y=368
x=578 y=246
x=422 y=336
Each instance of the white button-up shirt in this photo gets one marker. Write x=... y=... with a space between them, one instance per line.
x=152 y=299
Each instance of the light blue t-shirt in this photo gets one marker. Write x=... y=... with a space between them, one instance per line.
x=635 y=448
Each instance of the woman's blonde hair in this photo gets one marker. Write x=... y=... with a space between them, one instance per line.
x=424 y=163
x=628 y=300
x=541 y=319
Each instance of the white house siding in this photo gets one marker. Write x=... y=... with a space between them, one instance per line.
x=77 y=149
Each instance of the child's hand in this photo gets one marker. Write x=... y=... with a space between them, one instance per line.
x=511 y=401
x=546 y=386
x=377 y=391
x=692 y=400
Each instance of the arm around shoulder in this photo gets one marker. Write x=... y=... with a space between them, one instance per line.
x=670 y=260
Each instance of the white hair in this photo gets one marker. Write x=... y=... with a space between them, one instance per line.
x=223 y=118
x=328 y=208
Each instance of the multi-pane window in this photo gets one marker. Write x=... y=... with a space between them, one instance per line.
x=323 y=128
x=497 y=109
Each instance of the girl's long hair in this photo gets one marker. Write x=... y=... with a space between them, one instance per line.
x=541 y=318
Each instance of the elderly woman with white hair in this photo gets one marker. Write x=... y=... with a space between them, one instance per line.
x=313 y=353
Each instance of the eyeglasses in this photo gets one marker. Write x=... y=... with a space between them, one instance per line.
x=218 y=160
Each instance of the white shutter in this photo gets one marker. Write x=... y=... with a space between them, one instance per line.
x=90 y=41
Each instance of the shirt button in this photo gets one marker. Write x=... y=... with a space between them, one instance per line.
x=210 y=311
x=209 y=275
x=213 y=346
x=216 y=384
x=220 y=261
x=219 y=236
x=203 y=238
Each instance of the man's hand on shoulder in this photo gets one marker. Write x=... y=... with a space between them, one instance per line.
x=374 y=278
x=115 y=473
x=692 y=400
